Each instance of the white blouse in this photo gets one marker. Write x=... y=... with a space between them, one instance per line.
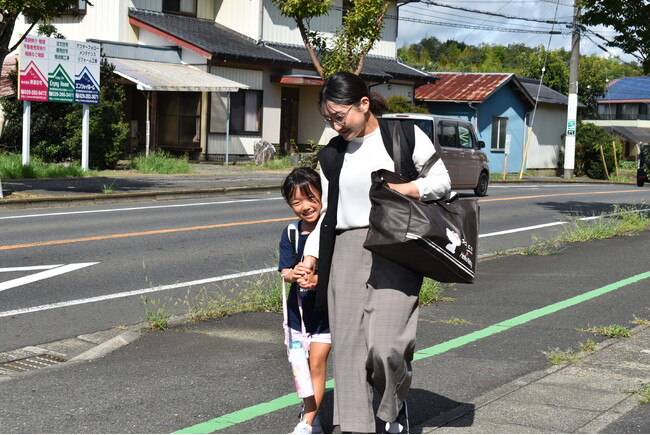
x=363 y=156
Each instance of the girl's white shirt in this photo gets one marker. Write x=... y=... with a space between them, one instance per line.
x=363 y=156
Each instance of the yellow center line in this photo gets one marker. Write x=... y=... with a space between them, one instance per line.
x=559 y=194
x=141 y=233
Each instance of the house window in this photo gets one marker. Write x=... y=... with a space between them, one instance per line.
x=181 y=7
x=245 y=112
x=79 y=9
x=499 y=129
x=179 y=118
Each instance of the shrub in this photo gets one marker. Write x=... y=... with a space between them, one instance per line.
x=588 y=158
x=400 y=104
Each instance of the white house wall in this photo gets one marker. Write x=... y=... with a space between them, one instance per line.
x=246 y=18
x=99 y=22
x=239 y=144
x=204 y=8
x=547 y=137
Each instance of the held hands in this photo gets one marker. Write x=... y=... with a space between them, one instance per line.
x=305 y=273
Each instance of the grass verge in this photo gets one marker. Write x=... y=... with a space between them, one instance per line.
x=11 y=167
x=621 y=221
x=160 y=162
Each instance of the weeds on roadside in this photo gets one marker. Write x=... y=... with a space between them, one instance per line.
x=613 y=331
x=11 y=167
x=639 y=321
x=157 y=314
x=557 y=356
x=276 y=163
x=588 y=346
x=431 y=292
x=644 y=393
x=108 y=188
x=621 y=221
x=160 y=162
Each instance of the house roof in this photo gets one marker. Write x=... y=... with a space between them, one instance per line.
x=5 y=84
x=627 y=89
x=467 y=87
x=159 y=76
x=546 y=94
x=633 y=134
x=216 y=42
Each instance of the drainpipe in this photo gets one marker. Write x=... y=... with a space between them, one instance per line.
x=260 y=26
x=475 y=121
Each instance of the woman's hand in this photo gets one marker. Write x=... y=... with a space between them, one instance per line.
x=408 y=189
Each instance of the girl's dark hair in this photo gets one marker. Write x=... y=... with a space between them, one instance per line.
x=302 y=178
x=345 y=88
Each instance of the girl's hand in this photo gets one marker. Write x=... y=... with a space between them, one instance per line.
x=306 y=269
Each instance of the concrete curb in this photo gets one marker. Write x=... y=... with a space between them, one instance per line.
x=107 y=347
x=108 y=198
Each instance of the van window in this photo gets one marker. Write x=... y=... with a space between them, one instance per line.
x=447 y=137
x=465 y=136
x=426 y=126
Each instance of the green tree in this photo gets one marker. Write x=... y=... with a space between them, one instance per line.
x=360 y=30
x=34 y=11
x=588 y=158
x=400 y=104
x=108 y=130
x=630 y=19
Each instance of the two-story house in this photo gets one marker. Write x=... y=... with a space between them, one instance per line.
x=624 y=111
x=213 y=77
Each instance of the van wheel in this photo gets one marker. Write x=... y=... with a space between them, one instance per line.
x=482 y=186
x=639 y=183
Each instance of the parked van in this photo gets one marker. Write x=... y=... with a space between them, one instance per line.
x=461 y=151
x=642 y=165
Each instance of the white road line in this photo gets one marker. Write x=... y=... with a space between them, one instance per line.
x=137 y=208
x=42 y=275
x=518 y=230
x=551 y=224
x=28 y=268
x=131 y=293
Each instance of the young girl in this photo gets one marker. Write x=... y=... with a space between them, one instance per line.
x=302 y=191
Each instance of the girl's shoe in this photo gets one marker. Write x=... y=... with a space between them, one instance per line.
x=316 y=427
x=302 y=427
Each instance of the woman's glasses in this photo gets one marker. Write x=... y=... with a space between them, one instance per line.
x=338 y=119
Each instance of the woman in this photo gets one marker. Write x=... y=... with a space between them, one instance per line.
x=372 y=302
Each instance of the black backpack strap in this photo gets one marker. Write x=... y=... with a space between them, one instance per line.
x=292 y=232
x=407 y=144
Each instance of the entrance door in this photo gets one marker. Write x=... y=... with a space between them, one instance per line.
x=289 y=119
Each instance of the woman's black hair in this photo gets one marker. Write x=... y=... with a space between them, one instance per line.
x=303 y=178
x=346 y=89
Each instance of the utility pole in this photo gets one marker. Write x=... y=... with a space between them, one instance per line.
x=572 y=109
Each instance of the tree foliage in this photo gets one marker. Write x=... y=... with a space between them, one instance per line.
x=532 y=62
x=590 y=138
x=401 y=104
x=33 y=11
x=630 y=18
x=350 y=43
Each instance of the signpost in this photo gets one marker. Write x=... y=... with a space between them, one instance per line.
x=62 y=71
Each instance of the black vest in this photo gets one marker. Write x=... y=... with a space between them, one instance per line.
x=331 y=161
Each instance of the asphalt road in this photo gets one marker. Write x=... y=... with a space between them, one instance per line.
x=75 y=270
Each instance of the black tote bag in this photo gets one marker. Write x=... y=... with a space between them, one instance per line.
x=438 y=239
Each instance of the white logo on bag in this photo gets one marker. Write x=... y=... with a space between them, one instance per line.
x=454 y=241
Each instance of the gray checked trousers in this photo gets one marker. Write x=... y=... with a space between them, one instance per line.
x=373 y=312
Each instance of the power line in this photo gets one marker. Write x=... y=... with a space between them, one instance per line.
x=494 y=14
